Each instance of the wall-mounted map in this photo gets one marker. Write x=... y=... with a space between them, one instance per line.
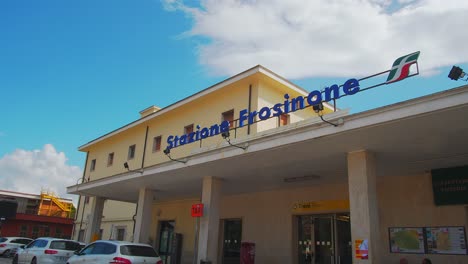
x=446 y=240
x=406 y=240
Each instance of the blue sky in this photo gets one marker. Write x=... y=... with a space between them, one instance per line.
x=71 y=71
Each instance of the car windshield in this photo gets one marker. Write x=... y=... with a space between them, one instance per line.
x=140 y=251
x=3 y=239
x=64 y=245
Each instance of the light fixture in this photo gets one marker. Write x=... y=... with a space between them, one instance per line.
x=128 y=168
x=301 y=178
x=167 y=151
x=318 y=108
x=456 y=73
x=226 y=135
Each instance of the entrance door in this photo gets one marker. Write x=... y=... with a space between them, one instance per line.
x=166 y=234
x=323 y=240
x=232 y=241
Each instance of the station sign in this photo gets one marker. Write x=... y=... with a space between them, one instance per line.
x=399 y=71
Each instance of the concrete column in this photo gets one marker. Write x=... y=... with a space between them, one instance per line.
x=363 y=204
x=209 y=223
x=143 y=216
x=94 y=220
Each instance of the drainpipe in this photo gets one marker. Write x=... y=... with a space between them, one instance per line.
x=79 y=199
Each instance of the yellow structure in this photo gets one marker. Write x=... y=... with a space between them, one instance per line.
x=52 y=205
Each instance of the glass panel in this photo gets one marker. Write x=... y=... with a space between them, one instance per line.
x=232 y=241
x=166 y=235
x=324 y=243
x=306 y=241
x=343 y=239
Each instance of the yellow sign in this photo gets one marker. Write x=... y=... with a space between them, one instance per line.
x=316 y=206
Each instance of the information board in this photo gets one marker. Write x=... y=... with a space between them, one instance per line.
x=446 y=240
x=449 y=240
x=406 y=240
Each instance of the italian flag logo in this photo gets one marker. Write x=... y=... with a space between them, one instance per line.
x=400 y=68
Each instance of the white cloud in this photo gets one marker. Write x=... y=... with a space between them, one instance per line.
x=30 y=171
x=299 y=38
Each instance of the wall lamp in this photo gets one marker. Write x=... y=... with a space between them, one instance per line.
x=128 y=168
x=226 y=135
x=457 y=73
x=167 y=152
x=318 y=108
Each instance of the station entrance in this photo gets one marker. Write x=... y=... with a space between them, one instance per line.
x=324 y=239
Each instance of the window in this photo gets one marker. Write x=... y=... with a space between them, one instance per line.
x=131 y=152
x=229 y=116
x=283 y=119
x=188 y=129
x=156 y=143
x=93 y=165
x=110 y=159
x=23 y=231
x=81 y=235
x=35 y=231
x=46 y=231
x=58 y=232
x=120 y=232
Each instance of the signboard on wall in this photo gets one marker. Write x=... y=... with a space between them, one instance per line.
x=321 y=206
x=197 y=210
x=450 y=240
x=450 y=185
x=406 y=240
x=446 y=240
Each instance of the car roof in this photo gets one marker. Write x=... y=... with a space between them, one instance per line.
x=17 y=238
x=122 y=243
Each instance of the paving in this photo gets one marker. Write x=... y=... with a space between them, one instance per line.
x=5 y=260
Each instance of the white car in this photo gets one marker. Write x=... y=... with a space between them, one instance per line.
x=47 y=250
x=116 y=252
x=9 y=244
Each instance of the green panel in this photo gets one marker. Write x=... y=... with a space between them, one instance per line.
x=450 y=185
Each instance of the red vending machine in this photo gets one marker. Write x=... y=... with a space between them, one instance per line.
x=247 y=253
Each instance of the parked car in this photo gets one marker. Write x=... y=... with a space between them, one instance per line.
x=113 y=252
x=8 y=244
x=47 y=250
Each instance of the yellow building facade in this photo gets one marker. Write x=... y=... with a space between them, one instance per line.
x=283 y=181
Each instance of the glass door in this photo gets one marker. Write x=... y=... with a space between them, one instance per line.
x=166 y=234
x=232 y=241
x=324 y=239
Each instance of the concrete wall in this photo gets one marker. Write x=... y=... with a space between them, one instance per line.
x=407 y=201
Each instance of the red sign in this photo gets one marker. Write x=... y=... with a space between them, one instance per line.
x=197 y=210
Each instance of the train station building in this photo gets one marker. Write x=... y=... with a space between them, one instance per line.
x=285 y=172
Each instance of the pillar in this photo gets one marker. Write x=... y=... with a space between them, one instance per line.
x=94 y=220
x=209 y=223
x=363 y=204
x=143 y=216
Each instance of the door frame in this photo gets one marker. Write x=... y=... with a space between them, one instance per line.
x=295 y=235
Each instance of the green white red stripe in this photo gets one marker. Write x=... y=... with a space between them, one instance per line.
x=400 y=68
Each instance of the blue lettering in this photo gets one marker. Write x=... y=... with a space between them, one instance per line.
x=295 y=102
x=214 y=130
x=264 y=113
x=242 y=117
x=277 y=109
x=183 y=140
x=286 y=103
x=197 y=133
x=169 y=142
x=252 y=117
x=176 y=141
x=190 y=137
x=314 y=97
x=205 y=133
x=336 y=92
x=224 y=127
x=351 y=86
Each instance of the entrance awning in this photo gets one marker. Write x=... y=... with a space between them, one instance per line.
x=410 y=137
